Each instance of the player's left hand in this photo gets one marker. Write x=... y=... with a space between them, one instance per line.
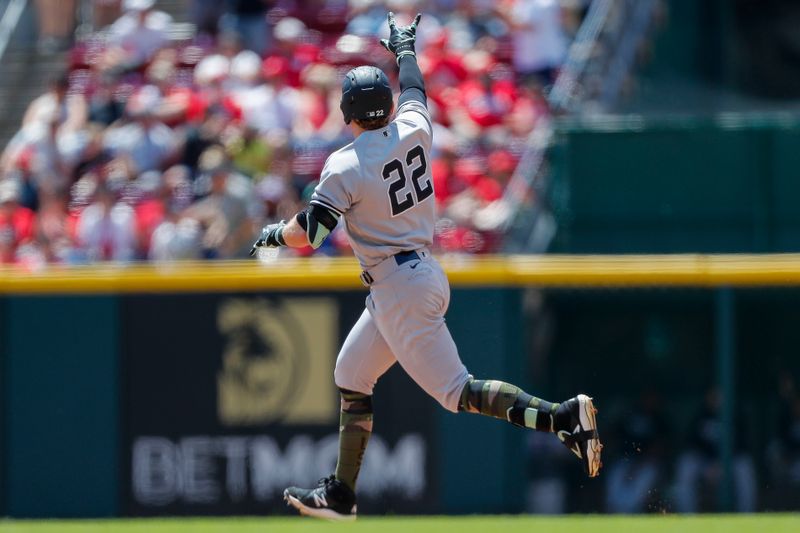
x=271 y=237
x=401 y=38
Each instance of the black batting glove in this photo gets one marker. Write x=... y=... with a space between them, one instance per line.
x=401 y=39
x=271 y=237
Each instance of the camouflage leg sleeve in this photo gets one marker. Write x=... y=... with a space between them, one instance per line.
x=355 y=427
x=506 y=401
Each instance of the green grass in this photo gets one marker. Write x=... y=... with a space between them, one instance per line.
x=762 y=523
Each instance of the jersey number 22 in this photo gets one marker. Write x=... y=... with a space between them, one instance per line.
x=403 y=202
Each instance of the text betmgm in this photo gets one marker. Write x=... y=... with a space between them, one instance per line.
x=211 y=470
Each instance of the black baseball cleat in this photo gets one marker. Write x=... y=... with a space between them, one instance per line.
x=576 y=427
x=332 y=499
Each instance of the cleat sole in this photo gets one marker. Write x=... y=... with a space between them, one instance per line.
x=594 y=446
x=326 y=514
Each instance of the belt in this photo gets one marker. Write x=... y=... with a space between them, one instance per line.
x=405 y=257
x=388 y=265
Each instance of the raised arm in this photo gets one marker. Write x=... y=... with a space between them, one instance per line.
x=401 y=43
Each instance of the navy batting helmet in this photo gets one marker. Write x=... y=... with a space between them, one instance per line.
x=366 y=94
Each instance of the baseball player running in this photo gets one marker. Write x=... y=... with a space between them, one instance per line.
x=381 y=185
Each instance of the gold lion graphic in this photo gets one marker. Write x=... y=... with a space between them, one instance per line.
x=262 y=362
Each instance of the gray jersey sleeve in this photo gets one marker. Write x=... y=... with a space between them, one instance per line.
x=336 y=186
x=415 y=113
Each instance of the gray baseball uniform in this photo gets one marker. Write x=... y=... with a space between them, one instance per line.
x=382 y=183
x=382 y=186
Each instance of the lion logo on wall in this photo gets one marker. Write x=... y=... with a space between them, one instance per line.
x=277 y=361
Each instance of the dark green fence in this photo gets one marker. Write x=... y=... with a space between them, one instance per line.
x=150 y=405
x=727 y=184
x=112 y=404
x=702 y=48
x=61 y=406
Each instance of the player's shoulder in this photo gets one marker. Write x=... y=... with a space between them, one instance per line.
x=341 y=161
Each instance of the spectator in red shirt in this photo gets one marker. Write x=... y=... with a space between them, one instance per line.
x=55 y=228
x=486 y=100
x=318 y=112
x=293 y=44
x=150 y=209
x=17 y=223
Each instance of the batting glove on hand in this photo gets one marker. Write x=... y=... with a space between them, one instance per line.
x=271 y=237
x=401 y=39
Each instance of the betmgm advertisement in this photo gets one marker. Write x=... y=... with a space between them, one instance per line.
x=229 y=399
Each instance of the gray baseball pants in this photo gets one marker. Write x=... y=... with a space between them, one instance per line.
x=404 y=322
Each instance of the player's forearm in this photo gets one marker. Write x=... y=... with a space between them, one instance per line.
x=294 y=235
x=310 y=227
x=410 y=77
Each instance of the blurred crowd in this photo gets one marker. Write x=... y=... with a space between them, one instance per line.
x=162 y=145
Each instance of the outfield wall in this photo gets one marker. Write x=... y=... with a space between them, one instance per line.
x=200 y=389
x=207 y=390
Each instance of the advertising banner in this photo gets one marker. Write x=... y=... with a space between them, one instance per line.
x=229 y=399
